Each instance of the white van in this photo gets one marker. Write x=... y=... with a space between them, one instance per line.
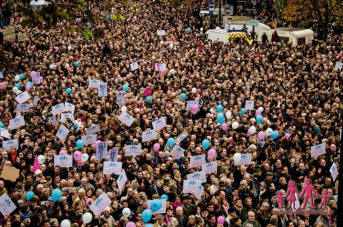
x=297 y=36
x=222 y=35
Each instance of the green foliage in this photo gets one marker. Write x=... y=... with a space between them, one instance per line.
x=88 y=34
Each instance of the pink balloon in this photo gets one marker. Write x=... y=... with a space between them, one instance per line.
x=33 y=74
x=248 y=133
x=27 y=87
x=194 y=109
x=41 y=78
x=87 y=201
x=63 y=152
x=2 y=85
x=258 y=112
x=224 y=126
x=261 y=135
x=156 y=146
x=77 y=155
x=211 y=153
x=130 y=224
x=287 y=135
x=221 y=220
x=166 y=43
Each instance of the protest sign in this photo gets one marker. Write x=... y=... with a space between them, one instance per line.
x=23 y=97
x=102 y=90
x=160 y=67
x=62 y=132
x=126 y=119
x=334 y=171
x=35 y=100
x=318 y=150
x=10 y=143
x=181 y=137
x=198 y=191
x=10 y=173
x=339 y=65
x=24 y=107
x=93 y=129
x=57 y=109
x=133 y=150
x=189 y=186
x=245 y=160
x=53 y=121
x=120 y=100
x=191 y=103
x=198 y=160
x=101 y=150
x=63 y=160
x=6 y=205
x=210 y=167
x=93 y=83
x=197 y=176
x=112 y=167
x=161 y=32
x=121 y=180
x=159 y=124
x=68 y=107
x=113 y=154
x=17 y=122
x=4 y=133
x=249 y=105
x=65 y=116
x=89 y=139
x=134 y=66
x=99 y=205
x=148 y=135
x=177 y=152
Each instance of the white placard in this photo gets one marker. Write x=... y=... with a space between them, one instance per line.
x=4 y=133
x=93 y=129
x=159 y=124
x=69 y=107
x=112 y=167
x=133 y=150
x=191 y=103
x=10 y=143
x=64 y=116
x=6 y=205
x=35 y=100
x=36 y=79
x=334 y=171
x=161 y=32
x=23 y=97
x=245 y=160
x=101 y=150
x=89 y=139
x=57 y=109
x=197 y=176
x=148 y=135
x=318 y=150
x=249 y=105
x=339 y=65
x=99 y=205
x=113 y=154
x=63 y=160
x=189 y=186
x=93 y=83
x=181 y=137
x=121 y=180
x=198 y=192
x=120 y=99
x=24 y=107
x=198 y=160
x=62 y=133
x=126 y=119
x=177 y=152
x=210 y=167
x=17 y=122
x=160 y=67
x=53 y=121
x=102 y=90
x=163 y=208
x=134 y=66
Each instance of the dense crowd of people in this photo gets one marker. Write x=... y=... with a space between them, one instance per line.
x=296 y=89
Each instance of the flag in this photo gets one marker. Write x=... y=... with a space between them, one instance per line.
x=36 y=165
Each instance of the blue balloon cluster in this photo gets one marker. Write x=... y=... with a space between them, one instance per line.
x=275 y=134
x=182 y=96
x=148 y=99
x=125 y=87
x=259 y=119
x=21 y=76
x=170 y=142
x=205 y=143
x=164 y=196
x=68 y=91
x=156 y=205
x=17 y=86
x=76 y=64
x=29 y=195
x=146 y=215
x=56 y=194
x=220 y=108
x=79 y=144
x=243 y=111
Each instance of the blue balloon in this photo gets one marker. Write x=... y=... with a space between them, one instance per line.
x=146 y=215
x=150 y=225
x=220 y=116
x=182 y=96
x=56 y=194
x=170 y=142
x=68 y=90
x=79 y=144
x=76 y=64
x=189 y=30
x=125 y=87
x=164 y=196
x=243 y=111
x=108 y=16
x=88 y=24
x=148 y=99
x=220 y=108
x=259 y=119
x=29 y=83
x=2 y=125
x=222 y=121
x=21 y=76
x=275 y=134
x=205 y=143
x=76 y=125
x=17 y=85
x=29 y=195
x=156 y=205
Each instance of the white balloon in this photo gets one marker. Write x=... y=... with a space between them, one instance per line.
x=62 y=199
x=69 y=47
x=16 y=78
x=237 y=157
x=84 y=158
x=171 y=45
x=194 y=90
x=18 y=92
x=14 y=89
x=123 y=109
x=269 y=131
x=235 y=125
x=201 y=29
x=228 y=115
x=41 y=159
x=87 y=218
x=161 y=42
x=65 y=223
x=252 y=129
x=261 y=108
x=126 y=212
